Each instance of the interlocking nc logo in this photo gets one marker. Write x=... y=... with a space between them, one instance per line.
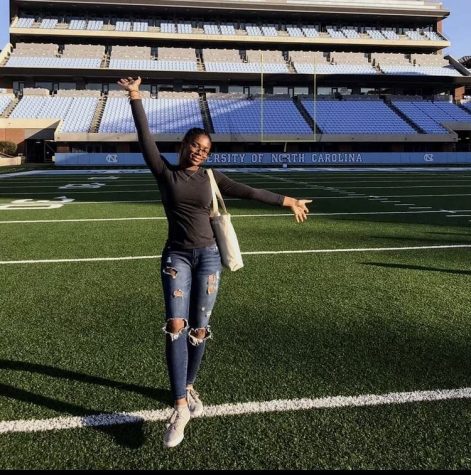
x=428 y=157
x=112 y=158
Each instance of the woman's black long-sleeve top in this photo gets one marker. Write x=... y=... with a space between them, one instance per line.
x=186 y=196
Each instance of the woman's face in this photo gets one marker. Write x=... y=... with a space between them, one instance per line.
x=196 y=151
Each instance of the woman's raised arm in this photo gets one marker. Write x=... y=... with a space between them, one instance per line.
x=149 y=148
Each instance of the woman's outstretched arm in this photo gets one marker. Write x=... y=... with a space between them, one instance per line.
x=149 y=148
x=241 y=190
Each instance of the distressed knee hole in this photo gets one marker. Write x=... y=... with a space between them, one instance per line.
x=212 y=283
x=199 y=335
x=175 y=327
x=178 y=293
x=171 y=271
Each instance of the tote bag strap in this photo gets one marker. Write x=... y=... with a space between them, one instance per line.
x=216 y=194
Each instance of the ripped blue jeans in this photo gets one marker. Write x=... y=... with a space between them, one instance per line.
x=190 y=280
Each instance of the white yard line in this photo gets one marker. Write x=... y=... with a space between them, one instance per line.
x=52 y=182
x=414 y=196
x=254 y=407
x=265 y=215
x=275 y=188
x=411 y=186
x=253 y=253
x=238 y=199
x=273 y=182
x=313 y=171
x=5 y=189
x=72 y=191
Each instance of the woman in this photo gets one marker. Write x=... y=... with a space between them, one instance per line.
x=191 y=265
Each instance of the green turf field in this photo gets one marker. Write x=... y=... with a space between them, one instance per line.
x=370 y=297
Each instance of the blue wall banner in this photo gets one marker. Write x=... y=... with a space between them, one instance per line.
x=273 y=159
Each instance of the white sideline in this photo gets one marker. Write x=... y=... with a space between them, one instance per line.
x=253 y=253
x=280 y=405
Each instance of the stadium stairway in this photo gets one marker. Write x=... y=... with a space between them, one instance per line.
x=105 y=63
x=462 y=107
x=404 y=116
x=10 y=108
x=207 y=121
x=307 y=117
x=98 y=114
x=290 y=67
x=200 y=62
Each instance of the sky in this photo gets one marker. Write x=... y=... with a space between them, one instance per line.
x=455 y=26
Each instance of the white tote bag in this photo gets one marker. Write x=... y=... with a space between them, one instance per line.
x=224 y=232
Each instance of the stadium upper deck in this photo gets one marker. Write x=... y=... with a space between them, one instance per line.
x=65 y=56
x=361 y=26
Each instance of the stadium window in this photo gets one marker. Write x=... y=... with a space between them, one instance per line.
x=210 y=88
x=190 y=88
x=67 y=85
x=94 y=86
x=165 y=87
x=300 y=90
x=324 y=91
x=43 y=85
x=236 y=89
x=87 y=148
x=280 y=90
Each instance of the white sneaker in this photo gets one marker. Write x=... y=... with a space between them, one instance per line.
x=176 y=426
x=194 y=403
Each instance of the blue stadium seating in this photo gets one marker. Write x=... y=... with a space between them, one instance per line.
x=49 y=62
x=165 y=115
x=76 y=112
x=356 y=117
x=280 y=116
x=426 y=120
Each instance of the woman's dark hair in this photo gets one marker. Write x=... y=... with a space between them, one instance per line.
x=193 y=133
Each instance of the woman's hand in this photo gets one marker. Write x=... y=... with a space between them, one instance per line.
x=129 y=84
x=298 y=207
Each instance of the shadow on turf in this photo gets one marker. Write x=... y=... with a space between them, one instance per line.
x=423 y=268
x=450 y=234
x=421 y=239
x=428 y=219
x=127 y=435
